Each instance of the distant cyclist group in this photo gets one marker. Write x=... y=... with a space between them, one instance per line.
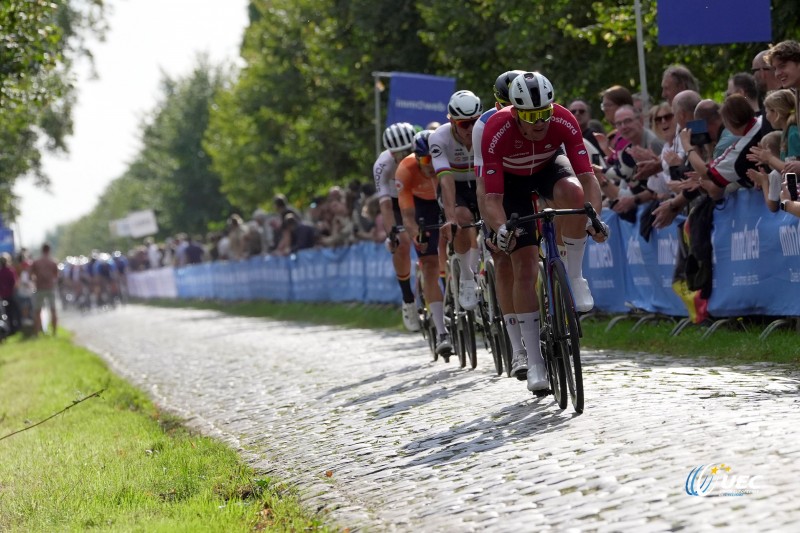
x=479 y=182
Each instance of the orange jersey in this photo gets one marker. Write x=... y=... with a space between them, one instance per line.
x=412 y=182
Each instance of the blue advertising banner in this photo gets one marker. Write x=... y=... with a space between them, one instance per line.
x=419 y=98
x=713 y=21
x=6 y=240
x=756 y=259
x=604 y=268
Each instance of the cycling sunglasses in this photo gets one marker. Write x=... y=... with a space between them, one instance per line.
x=532 y=116
x=424 y=159
x=465 y=124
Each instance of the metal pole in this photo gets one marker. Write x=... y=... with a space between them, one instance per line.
x=377 y=91
x=640 y=48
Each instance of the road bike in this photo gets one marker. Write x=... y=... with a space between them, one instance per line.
x=492 y=325
x=560 y=329
x=460 y=323
x=427 y=326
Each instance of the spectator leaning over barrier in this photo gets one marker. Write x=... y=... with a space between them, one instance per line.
x=731 y=167
x=779 y=107
x=767 y=179
x=683 y=106
x=630 y=192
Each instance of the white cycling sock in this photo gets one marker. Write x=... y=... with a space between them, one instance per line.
x=474 y=260
x=465 y=265
x=575 y=249
x=514 y=335
x=437 y=314
x=529 y=327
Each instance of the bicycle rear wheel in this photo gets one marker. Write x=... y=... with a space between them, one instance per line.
x=495 y=327
x=427 y=327
x=567 y=336
x=458 y=333
x=470 y=345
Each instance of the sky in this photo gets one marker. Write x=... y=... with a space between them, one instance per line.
x=145 y=39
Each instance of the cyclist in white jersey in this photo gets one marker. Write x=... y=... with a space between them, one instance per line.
x=398 y=139
x=502 y=261
x=451 y=150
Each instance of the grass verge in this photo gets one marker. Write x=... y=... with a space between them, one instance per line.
x=115 y=462
x=734 y=344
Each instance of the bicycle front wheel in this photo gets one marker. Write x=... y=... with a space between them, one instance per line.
x=555 y=365
x=566 y=333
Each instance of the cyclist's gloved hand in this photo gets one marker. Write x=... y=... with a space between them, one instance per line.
x=391 y=243
x=598 y=236
x=504 y=238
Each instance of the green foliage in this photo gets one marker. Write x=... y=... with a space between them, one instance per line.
x=171 y=174
x=299 y=116
x=39 y=41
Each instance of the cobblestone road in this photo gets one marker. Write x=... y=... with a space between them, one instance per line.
x=423 y=446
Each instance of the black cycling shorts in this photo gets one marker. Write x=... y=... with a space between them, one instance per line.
x=398 y=216
x=428 y=210
x=466 y=196
x=518 y=190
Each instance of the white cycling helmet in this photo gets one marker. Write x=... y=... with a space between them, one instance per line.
x=531 y=90
x=464 y=105
x=399 y=137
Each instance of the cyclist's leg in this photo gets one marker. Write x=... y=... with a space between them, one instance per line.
x=525 y=265
x=564 y=191
x=428 y=210
x=465 y=244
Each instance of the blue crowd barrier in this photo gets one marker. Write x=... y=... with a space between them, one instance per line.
x=756 y=268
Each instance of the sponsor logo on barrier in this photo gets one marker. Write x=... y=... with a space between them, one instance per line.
x=601 y=256
x=634 y=252
x=667 y=250
x=744 y=244
x=421 y=105
x=719 y=480
x=790 y=240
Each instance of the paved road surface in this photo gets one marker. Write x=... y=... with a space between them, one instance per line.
x=414 y=445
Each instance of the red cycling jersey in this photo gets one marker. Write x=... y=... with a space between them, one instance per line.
x=506 y=151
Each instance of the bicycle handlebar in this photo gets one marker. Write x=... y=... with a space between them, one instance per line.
x=551 y=213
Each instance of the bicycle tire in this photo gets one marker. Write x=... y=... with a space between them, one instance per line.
x=425 y=320
x=495 y=326
x=555 y=371
x=489 y=330
x=459 y=337
x=471 y=344
x=567 y=333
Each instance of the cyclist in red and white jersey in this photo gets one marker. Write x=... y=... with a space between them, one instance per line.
x=451 y=150
x=522 y=152
x=502 y=261
x=398 y=139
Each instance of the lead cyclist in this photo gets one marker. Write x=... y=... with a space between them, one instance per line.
x=522 y=152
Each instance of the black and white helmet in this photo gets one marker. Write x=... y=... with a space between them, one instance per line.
x=464 y=105
x=531 y=90
x=399 y=137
